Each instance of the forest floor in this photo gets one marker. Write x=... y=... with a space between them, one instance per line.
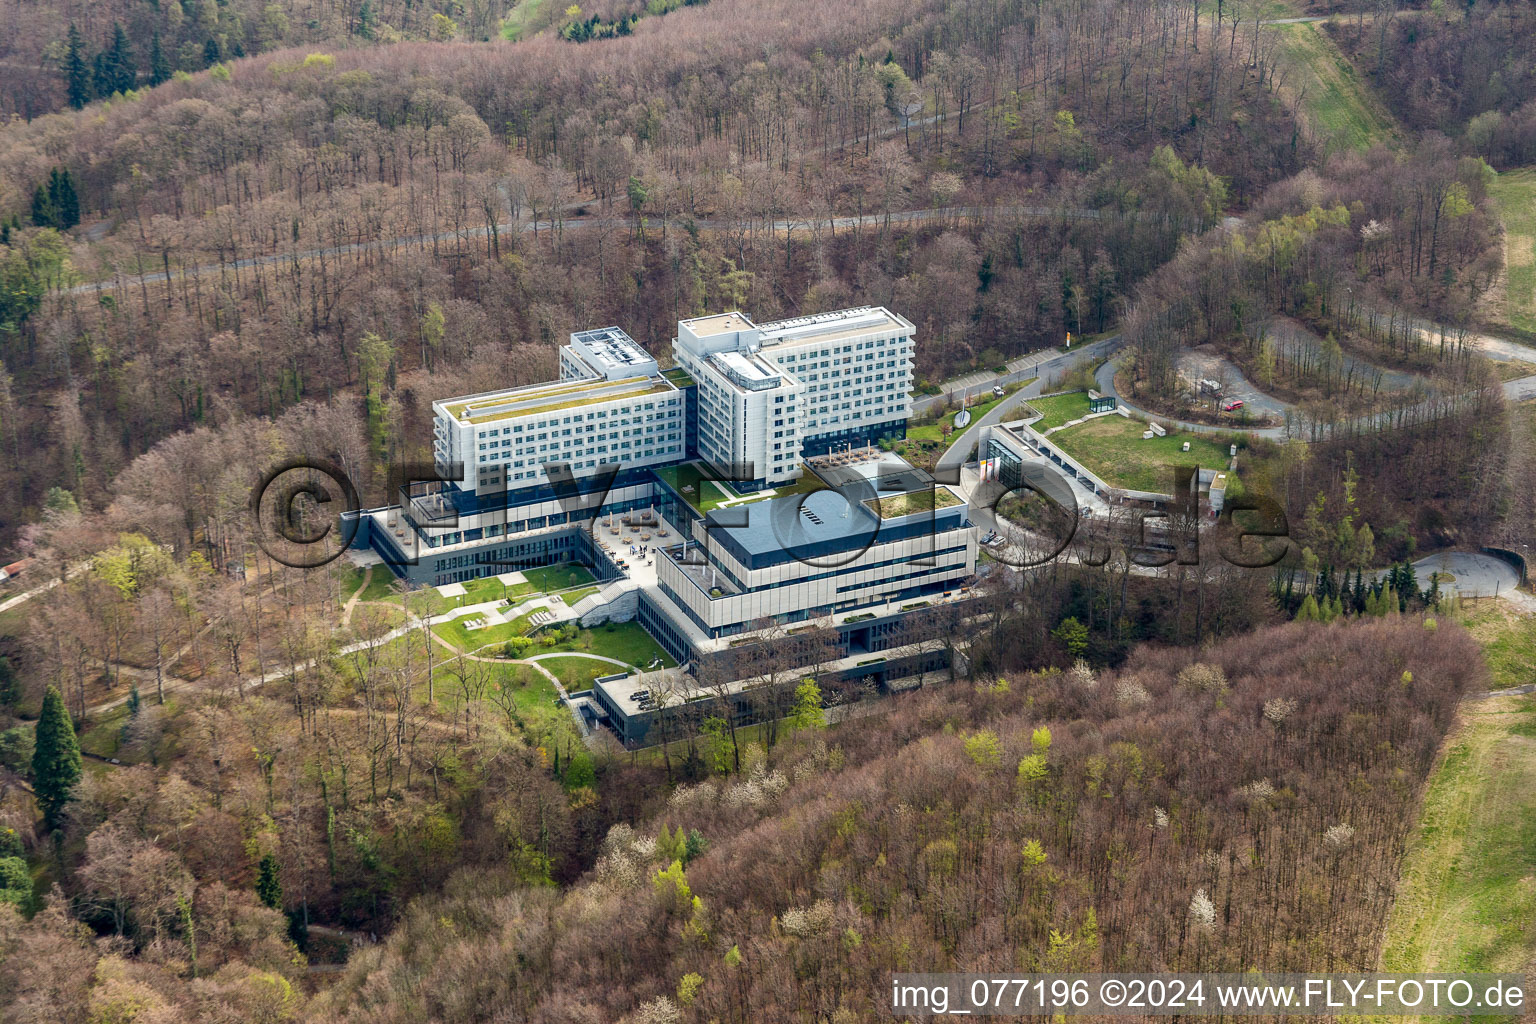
x=1467 y=897
x=1335 y=104
x=1515 y=193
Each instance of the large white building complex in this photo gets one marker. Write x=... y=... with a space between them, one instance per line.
x=755 y=459
x=769 y=395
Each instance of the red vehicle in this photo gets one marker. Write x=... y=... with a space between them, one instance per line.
x=1232 y=405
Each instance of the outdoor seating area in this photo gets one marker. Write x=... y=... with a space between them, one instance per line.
x=629 y=535
x=846 y=457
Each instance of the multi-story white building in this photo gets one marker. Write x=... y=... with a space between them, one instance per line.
x=611 y=406
x=771 y=395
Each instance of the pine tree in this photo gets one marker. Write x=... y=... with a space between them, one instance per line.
x=269 y=888
x=101 y=74
x=44 y=214
x=365 y=20
x=211 y=53
x=66 y=201
x=1407 y=584
x=55 y=758
x=77 y=75
x=159 y=63
x=121 y=67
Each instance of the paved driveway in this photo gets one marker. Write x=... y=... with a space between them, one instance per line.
x=1008 y=408
x=1477 y=575
x=1199 y=363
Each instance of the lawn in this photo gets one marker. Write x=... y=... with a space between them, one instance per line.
x=466 y=639
x=1059 y=409
x=1112 y=447
x=1466 y=900
x=550 y=578
x=1515 y=193
x=626 y=641
x=547 y=579
x=350 y=578
x=381 y=585
x=570 y=597
x=705 y=495
x=578 y=673
x=933 y=431
x=1335 y=104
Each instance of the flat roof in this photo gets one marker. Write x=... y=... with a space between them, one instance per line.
x=817 y=523
x=719 y=323
x=832 y=326
x=882 y=471
x=612 y=347
x=747 y=370
x=533 y=399
x=794 y=521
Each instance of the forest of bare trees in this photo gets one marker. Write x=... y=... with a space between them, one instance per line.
x=406 y=222
x=1246 y=804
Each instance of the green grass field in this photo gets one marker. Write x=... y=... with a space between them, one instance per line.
x=518 y=20
x=351 y=578
x=1059 y=409
x=380 y=586
x=466 y=639
x=1515 y=194
x=703 y=494
x=626 y=641
x=1335 y=104
x=1112 y=447
x=578 y=673
x=1467 y=897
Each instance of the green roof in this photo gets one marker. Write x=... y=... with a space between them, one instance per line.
x=898 y=505
x=679 y=376
x=552 y=398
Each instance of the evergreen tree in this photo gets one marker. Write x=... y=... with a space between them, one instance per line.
x=365 y=20
x=77 y=74
x=66 y=201
x=1359 y=595
x=159 y=63
x=101 y=75
x=1407 y=584
x=121 y=67
x=44 y=215
x=55 y=758
x=1308 y=612
x=211 y=52
x=269 y=888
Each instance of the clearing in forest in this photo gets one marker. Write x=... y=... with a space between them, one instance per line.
x=1515 y=193
x=1467 y=897
x=1337 y=108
